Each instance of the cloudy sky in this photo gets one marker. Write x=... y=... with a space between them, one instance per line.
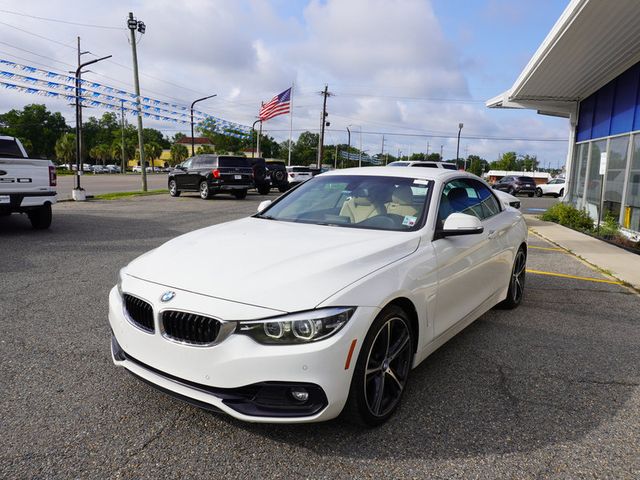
x=409 y=69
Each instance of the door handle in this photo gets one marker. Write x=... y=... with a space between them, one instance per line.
x=492 y=234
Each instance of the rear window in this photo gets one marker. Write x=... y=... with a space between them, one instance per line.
x=427 y=165
x=234 y=162
x=9 y=148
x=398 y=164
x=449 y=166
x=300 y=169
x=526 y=180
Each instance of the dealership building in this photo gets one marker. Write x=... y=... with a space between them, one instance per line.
x=588 y=70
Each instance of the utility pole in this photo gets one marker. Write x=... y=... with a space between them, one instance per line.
x=335 y=160
x=122 y=160
x=382 y=151
x=428 y=145
x=134 y=25
x=348 y=145
x=325 y=94
x=360 y=152
x=441 y=156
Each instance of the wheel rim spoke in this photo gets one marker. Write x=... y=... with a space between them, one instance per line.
x=377 y=405
x=391 y=373
x=399 y=347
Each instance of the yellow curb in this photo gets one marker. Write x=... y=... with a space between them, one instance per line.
x=548 y=248
x=563 y=275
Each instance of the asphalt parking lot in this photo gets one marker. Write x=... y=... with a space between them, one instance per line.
x=550 y=390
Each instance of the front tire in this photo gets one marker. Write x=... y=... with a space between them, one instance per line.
x=41 y=217
x=173 y=189
x=561 y=193
x=515 y=294
x=381 y=372
x=538 y=192
x=240 y=194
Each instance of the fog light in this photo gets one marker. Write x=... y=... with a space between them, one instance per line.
x=300 y=394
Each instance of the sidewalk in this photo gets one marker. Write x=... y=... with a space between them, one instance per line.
x=623 y=265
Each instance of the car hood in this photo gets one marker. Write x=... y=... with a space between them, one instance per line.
x=279 y=265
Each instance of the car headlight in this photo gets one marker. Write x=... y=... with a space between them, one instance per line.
x=119 y=284
x=303 y=327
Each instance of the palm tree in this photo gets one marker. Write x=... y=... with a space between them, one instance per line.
x=65 y=148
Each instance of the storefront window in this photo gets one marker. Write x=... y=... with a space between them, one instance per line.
x=631 y=213
x=579 y=170
x=616 y=169
x=592 y=204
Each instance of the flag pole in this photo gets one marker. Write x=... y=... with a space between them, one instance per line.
x=290 y=121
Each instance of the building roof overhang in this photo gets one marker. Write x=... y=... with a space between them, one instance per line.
x=592 y=43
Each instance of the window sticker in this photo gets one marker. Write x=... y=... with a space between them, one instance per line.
x=409 y=221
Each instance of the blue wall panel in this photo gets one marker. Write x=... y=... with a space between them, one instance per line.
x=624 y=104
x=612 y=110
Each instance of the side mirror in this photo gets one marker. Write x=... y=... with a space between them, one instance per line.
x=458 y=224
x=263 y=205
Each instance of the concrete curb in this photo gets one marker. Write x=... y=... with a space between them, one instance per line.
x=623 y=265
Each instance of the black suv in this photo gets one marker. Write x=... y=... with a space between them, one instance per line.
x=211 y=174
x=515 y=185
x=269 y=174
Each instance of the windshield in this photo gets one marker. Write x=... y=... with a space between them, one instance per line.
x=398 y=164
x=381 y=203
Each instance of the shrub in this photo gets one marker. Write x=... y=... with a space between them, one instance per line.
x=610 y=227
x=569 y=216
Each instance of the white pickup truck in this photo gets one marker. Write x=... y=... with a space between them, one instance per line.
x=27 y=185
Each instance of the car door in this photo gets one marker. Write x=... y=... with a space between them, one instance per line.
x=467 y=265
x=191 y=173
x=503 y=184
x=179 y=174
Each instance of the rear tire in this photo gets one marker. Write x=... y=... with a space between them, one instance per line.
x=538 y=192
x=173 y=189
x=515 y=294
x=205 y=194
x=381 y=372
x=41 y=217
x=240 y=194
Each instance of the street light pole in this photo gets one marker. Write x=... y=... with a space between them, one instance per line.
x=348 y=145
x=134 y=25
x=193 y=142
x=360 y=154
x=122 y=160
x=460 y=125
x=78 y=195
x=253 y=127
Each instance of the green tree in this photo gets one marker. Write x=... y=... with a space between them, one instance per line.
x=528 y=163
x=178 y=153
x=476 y=165
x=508 y=161
x=152 y=151
x=65 y=148
x=35 y=124
x=305 y=150
x=204 y=149
x=101 y=153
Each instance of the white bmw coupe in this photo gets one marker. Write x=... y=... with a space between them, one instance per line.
x=368 y=272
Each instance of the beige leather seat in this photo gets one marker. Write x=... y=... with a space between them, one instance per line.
x=402 y=202
x=359 y=207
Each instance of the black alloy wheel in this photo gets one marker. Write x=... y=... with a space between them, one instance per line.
x=382 y=369
x=173 y=189
x=204 y=190
x=538 y=192
x=515 y=294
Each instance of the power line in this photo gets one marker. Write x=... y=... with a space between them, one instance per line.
x=46 y=19
x=36 y=35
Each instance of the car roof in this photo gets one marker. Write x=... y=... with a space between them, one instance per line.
x=441 y=174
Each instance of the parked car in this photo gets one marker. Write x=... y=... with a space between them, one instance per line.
x=99 y=169
x=555 y=187
x=515 y=185
x=298 y=174
x=27 y=185
x=424 y=163
x=278 y=175
x=210 y=174
x=137 y=169
x=113 y=168
x=402 y=263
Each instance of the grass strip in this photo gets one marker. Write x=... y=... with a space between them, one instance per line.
x=118 y=195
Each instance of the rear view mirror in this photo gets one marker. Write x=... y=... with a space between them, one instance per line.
x=263 y=205
x=458 y=224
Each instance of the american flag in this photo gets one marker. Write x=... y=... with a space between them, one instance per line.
x=278 y=105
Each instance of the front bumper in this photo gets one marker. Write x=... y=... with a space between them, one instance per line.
x=232 y=375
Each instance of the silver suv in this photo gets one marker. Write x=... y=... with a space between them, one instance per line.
x=423 y=163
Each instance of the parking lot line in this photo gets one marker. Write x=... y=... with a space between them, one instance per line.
x=564 y=275
x=549 y=249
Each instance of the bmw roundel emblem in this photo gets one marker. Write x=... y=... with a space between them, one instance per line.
x=167 y=296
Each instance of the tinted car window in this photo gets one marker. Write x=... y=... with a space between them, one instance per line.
x=300 y=169
x=398 y=164
x=428 y=165
x=467 y=196
x=449 y=166
x=234 y=162
x=9 y=148
x=526 y=180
